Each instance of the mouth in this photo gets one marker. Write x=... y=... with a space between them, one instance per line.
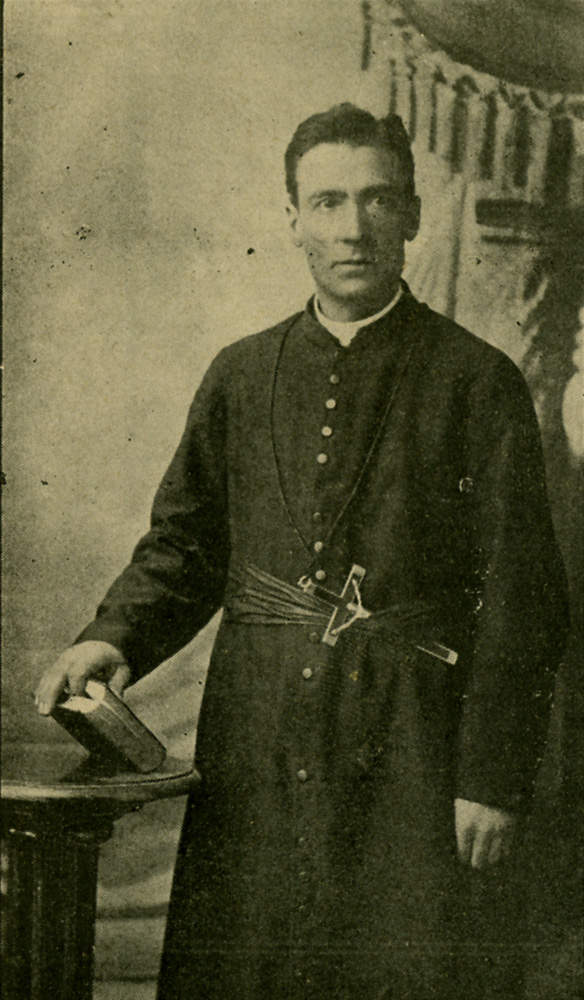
x=355 y=262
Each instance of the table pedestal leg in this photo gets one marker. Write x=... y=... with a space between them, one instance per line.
x=51 y=877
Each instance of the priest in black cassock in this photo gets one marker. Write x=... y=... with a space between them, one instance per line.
x=361 y=489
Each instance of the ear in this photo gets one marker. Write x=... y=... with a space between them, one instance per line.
x=294 y=221
x=412 y=221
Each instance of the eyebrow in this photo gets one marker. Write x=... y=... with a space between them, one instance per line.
x=373 y=189
x=382 y=189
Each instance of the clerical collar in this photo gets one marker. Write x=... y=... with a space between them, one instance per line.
x=345 y=331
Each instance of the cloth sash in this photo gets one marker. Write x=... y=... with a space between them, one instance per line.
x=254 y=597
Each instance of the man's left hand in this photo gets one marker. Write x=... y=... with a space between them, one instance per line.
x=484 y=835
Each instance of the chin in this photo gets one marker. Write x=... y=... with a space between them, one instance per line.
x=356 y=289
x=364 y=295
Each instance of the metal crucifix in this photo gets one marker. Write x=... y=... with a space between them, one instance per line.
x=347 y=605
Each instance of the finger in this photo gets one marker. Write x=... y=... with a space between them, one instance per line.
x=464 y=828
x=50 y=689
x=120 y=680
x=496 y=850
x=464 y=840
x=507 y=841
x=480 y=849
x=104 y=673
x=77 y=678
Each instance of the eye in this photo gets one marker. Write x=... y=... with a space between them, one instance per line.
x=380 y=201
x=327 y=202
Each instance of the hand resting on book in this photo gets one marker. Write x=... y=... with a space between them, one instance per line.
x=70 y=673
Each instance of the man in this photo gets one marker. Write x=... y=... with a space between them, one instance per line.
x=361 y=487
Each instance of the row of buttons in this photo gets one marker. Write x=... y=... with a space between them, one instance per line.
x=318 y=546
x=322 y=458
x=327 y=431
x=307 y=673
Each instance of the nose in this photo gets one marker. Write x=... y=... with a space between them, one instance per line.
x=353 y=222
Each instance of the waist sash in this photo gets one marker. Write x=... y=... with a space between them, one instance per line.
x=254 y=597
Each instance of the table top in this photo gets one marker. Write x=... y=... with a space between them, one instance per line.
x=39 y=772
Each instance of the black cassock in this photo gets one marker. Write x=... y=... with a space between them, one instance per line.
x=319 y=860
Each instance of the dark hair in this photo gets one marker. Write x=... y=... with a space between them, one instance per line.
x=350 y=124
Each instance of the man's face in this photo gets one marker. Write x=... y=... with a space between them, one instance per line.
x=352 y=220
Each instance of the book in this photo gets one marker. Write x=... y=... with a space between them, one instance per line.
x=109 y=730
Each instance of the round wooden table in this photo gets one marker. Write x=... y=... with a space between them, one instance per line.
x=57 y=808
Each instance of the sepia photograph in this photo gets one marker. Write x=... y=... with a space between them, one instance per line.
x=293 y=454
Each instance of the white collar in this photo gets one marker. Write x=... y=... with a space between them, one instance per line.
x=345 y=331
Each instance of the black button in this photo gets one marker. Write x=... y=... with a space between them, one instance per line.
x=314 y=637
x=317 y=517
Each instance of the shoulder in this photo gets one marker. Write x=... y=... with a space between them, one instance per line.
x=460 y=354
x=245 y=358
x=255 y=347
x=479 y=380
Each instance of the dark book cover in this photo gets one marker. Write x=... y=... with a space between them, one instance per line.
x=109 y=730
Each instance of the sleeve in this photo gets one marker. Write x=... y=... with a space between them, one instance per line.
x=521 y=620
x=175 y=580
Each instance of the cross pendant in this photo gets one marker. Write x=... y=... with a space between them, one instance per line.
x=347 y=605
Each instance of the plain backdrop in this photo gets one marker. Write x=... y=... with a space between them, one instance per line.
x=145 y=229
